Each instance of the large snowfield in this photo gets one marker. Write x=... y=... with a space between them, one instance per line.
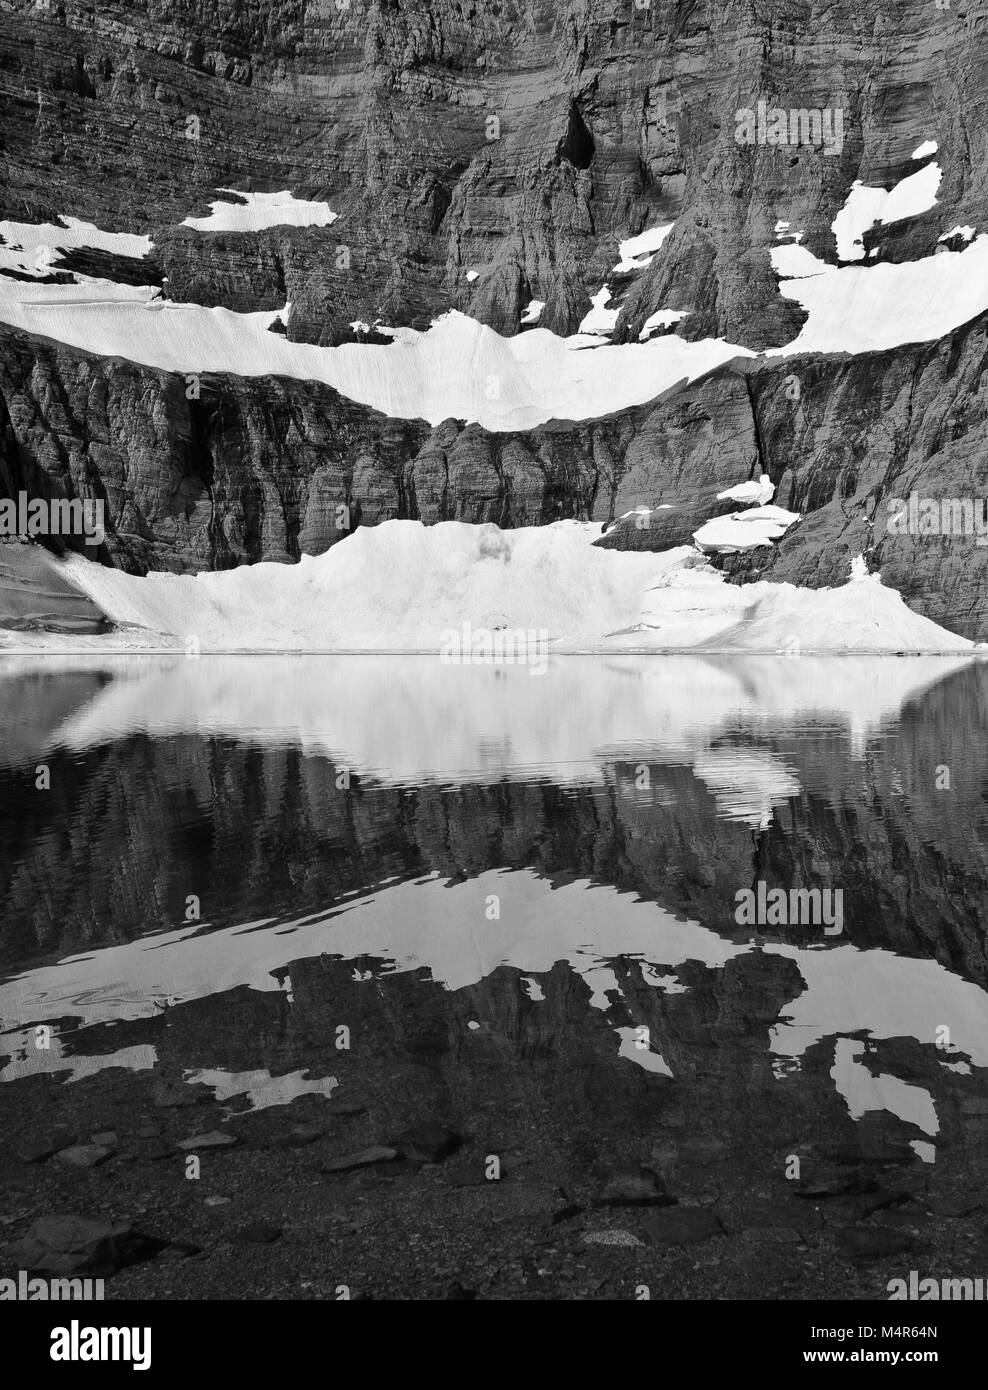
x=458 y=368
x=405 y=587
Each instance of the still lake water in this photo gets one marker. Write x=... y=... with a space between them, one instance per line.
x=511 y=889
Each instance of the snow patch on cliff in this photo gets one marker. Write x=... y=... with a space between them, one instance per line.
x=635 y=248
x=756 y=493
x=747 y=530
x=259 y=211
x=871 y=308
x=865 y=207
x=33 y=248
x=662 y=318
x=600 y=320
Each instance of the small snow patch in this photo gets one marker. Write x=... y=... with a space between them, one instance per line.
x=260 y=211
x=600 y=321
x=744 y=530
x=965 y=233
x=662 y=318
x=637 y=246
x=757 y=493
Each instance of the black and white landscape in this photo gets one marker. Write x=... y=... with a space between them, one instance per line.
x=493 y=607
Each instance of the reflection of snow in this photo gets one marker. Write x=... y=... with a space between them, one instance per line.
x=669 y=984
x=443 y=927
x=260 y=1088
x=28 y=1060
x=850 y=991
x=864 y=1091
x=406 y=721
x=409 y=925
x=632 y=1051
x=747 y=783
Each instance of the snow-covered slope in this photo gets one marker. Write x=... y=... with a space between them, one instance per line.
x=402 y=586
x=458 y=368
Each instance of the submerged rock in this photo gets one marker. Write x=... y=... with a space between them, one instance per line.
x=363 y=1158
x=37 y=1150
x=875 y=1243
x=73 y=1244
x=682 y=1226
x=625 y=1238
x=213 y=1140
x=428 y=1143
x=84 y=1155
x=256 y=1235
x=633 y=1187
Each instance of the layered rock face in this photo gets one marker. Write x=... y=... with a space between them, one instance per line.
x=518 y=144
x=518 y=140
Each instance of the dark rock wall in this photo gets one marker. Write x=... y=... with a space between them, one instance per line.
x=605 y=117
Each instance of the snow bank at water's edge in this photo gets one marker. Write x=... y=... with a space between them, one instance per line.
x=402 y=586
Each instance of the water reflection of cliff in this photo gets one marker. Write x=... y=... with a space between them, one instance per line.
x=227 y=779
x=602 y=810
